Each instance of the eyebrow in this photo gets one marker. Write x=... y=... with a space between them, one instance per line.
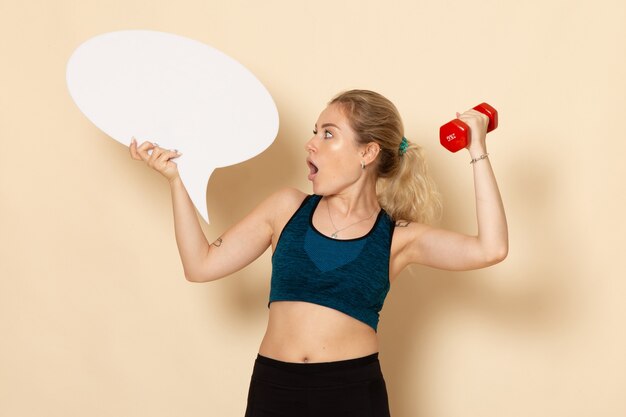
x=329 y=124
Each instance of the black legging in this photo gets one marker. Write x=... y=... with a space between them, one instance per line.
x=348 y=388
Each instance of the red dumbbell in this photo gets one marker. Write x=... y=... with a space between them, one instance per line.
x=454 y=134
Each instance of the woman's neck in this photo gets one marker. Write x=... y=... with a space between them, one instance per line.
x=353 y=203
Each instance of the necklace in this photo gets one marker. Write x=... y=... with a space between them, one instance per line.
x=334 y=235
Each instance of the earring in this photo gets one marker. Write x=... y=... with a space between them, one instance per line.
x=362 y=165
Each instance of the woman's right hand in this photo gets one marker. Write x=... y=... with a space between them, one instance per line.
x=159 y=159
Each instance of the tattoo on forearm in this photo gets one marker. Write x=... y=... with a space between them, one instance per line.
x=402 y=223
x=218 y=242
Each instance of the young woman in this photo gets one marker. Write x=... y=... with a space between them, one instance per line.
x=336 y=252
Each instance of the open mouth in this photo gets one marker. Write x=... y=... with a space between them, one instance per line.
x=313 y=169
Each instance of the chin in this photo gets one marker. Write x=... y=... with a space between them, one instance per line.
x=317 y=188
x=325 y=189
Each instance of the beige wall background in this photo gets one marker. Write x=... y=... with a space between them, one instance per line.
x=96 y=318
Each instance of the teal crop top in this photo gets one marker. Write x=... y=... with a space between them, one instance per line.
x=350 y=275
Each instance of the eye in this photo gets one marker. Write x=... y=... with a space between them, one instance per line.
x=327 y=134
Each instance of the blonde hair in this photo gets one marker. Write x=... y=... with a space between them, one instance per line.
x=404 y=187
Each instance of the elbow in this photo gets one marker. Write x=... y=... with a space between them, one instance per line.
x=497 y=255
x=195 y=277
x=190 y=277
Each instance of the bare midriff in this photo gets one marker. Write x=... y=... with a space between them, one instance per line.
x=303 y=332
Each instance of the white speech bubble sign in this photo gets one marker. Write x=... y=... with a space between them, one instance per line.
x=178 y=92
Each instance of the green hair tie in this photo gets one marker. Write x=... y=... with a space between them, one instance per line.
x=404 y=145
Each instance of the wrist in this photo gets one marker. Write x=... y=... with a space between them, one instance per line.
x=477 y=152
x=479 y=158
x=175 y=181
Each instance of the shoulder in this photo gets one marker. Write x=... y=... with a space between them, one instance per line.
x=407 y=232
x=286 y=198
x=280 y=206
x=283 y=202
x=407 y=229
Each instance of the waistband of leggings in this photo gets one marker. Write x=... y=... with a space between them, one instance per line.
x=318 y=366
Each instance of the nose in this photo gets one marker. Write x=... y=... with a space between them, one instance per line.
x=309 y=146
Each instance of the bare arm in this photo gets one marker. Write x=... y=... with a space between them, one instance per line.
x=236 y=248
x=239 y=246
x=444 y=249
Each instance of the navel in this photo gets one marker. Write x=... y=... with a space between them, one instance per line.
x=305 y=359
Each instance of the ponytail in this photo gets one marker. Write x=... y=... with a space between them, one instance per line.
x=410 y=194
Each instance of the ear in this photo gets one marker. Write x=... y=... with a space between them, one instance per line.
x=369 y=152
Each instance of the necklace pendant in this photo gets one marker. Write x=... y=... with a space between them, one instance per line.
x=334 y=235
